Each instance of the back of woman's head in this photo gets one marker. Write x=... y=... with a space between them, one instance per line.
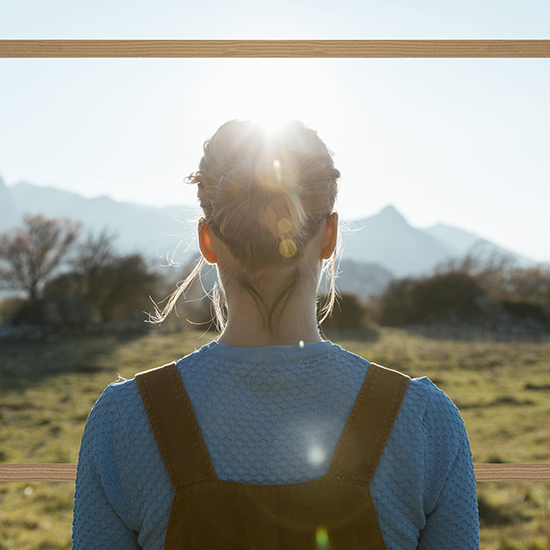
x=265 y=195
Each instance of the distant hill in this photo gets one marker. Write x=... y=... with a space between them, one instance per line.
x=458 y=239
x=8 y=211
x=464 y=242
x=387 y=239
x=376 y=249
x=151 y=231
x=363 y=279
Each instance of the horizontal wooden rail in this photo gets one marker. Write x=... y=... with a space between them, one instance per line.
x=67 y=472
x=512 y=472
x=37 y=472
x=275 y=48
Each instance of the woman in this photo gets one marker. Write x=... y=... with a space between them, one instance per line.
x=271 y=398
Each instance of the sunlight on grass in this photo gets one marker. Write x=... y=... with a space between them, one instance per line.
x=48 y=388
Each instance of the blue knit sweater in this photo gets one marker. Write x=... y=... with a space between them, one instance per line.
x=274 y=415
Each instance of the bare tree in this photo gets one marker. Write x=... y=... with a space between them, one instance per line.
x=531 y=284
x=115 y=285
x=91 y=264
x=31 y=254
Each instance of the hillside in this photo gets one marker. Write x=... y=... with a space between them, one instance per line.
x=465 y=242
x=387 y=238
x=375 y=249
x=151 y=231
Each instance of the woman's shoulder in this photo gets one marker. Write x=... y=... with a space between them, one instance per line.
x=425 y=407
x=118 y=421
x=120 y=402
x=431 y=414
x=425 y=392
x=430 y=402
x=422 y=393
x=434 y=401
x=122 y=396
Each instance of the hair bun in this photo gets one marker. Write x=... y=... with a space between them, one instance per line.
x=264 y=195
x=260 y=201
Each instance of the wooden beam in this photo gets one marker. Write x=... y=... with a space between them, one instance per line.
x=37 y=472
x=276 y=48
x=67 y=472
x=512 y=472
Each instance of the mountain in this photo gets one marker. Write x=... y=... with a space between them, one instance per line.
x=465 y=242
x=364 y=279
x=458 y=239
x=387 y=239
x=375 y=249
x=149 y=230
x=8 y=214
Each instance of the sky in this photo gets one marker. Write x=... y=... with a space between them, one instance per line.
x=462 y=142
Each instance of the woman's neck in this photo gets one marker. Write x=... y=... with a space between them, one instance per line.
x=247 y=327
x=243 y=335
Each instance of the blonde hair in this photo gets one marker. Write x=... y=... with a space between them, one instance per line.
x=264 y=196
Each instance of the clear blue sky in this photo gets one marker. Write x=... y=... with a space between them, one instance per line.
x=462 y=142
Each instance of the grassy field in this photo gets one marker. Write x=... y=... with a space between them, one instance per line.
x=48 y=388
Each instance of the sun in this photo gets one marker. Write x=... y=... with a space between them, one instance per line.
x=272 y=92
x=270 y=123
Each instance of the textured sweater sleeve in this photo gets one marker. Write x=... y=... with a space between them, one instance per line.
x=102 y=518
x=450 y=504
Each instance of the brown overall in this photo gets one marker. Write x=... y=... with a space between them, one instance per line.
x=333 y=512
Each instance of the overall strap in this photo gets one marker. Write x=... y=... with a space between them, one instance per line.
x=174 y=425
x=369 y=424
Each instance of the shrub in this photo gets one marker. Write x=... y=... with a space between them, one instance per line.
x=10 y=306
x=30 y=255
x=527 y=310
x=116 y=291
x=529 y=286
x=348 y=313
x=408 y=301
x=55 y=312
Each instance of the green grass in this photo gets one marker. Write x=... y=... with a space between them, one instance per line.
x=48 y=388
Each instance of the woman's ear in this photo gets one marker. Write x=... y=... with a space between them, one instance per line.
x=206 y=243
x=331 y=236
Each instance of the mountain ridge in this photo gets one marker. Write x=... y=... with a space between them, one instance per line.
x=149 y=230
x=375 y=249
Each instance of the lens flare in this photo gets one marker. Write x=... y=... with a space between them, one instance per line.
x=287 y=248
x=277 y=169
x=270 y=121
x=316 y=455
x=321 y=537
x=284 y=225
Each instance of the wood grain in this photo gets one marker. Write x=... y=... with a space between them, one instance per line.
x=37 y=472
x=512 y=472
x=276 y=48
x=67 y=472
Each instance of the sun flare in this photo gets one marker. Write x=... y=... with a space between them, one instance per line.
x=272 y=92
